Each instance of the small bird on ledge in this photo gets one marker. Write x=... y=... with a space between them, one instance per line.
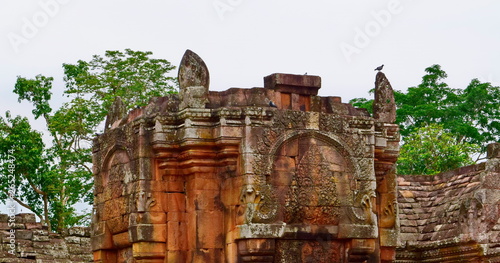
x=379 y=68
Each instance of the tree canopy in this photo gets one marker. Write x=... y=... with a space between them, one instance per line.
x=51 y=179
x=470 y=115
x=430 y=150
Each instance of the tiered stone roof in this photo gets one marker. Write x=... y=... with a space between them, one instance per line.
x=452 y=216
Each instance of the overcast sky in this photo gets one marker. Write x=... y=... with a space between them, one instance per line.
x=242 y=41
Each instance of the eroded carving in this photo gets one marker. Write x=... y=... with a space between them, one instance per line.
x=194 y=81
x=312 y=197
x=193 y=72
x=389 y=213
x=261 y=205
x=362 y=210
x=144 y=201
x=298 y=251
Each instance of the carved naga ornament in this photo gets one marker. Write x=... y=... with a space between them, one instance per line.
x=194 y=81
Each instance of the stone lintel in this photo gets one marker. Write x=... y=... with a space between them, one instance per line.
x=358 y=231
x=285 y=231
x=290 y=83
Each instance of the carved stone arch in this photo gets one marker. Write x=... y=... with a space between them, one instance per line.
x=117 y=152
x=323 y=136
x=311 y=173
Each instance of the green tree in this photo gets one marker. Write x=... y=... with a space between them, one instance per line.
x=63 y=176
x=25 y=148
x=131 y=75
x=431 y=150
x=471 y=114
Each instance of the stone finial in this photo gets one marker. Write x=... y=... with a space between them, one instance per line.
x=193 y=71
x=384 y=106
x=194 y=81
x=117 y=112
x=493 y=150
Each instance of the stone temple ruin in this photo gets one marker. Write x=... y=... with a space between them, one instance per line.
x=277 y=174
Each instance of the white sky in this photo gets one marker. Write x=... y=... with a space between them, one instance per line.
x=251 y=39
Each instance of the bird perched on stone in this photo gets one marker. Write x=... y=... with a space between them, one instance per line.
x=271 y=103
x=379 y=68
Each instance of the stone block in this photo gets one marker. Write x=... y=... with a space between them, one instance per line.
x=148 y=218
x=175 y=184
x=148 y=232
x=207 y=255
x=176 y=216
x=104 y=256
x=37 y=238
x=493 y=150
x=125 y=255
x=176 y=202
x=121 y=240
x=73 y=240
x=148 y=250
x=176 y=236
x=101 y=241
x=118 y=224
x=114 y=208
x=289 y=83
x=176 y=256
x=79 y=231
x=357 y=231
x=24 y=234
x=203 y=184
x=25 y=218
x=204 y=200
x=256 y=247
x=210 y=229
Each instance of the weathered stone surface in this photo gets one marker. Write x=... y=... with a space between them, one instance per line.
x=227 y=176
x=450 y=217
x=294 y=84
x=493 y=151
x=193 y=72
x=116 y=113
x=36 y=244
x=384 y=106
x=194 y=81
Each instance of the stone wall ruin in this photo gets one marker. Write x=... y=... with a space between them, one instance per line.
x=34 y=243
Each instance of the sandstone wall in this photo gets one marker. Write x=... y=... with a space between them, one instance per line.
x=271 y=174
x=34 y=243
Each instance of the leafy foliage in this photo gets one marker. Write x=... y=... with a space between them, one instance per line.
x=132 y=75
x=471 y=115
x=431 y=150
x=363 y=103
x=52 y=179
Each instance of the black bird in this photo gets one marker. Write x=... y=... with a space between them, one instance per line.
x=379 y=68
x=271 y=103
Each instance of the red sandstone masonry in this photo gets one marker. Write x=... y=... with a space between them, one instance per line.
x=272 y=174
